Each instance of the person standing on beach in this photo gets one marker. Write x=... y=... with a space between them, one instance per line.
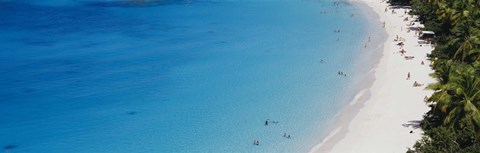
x=408 y=76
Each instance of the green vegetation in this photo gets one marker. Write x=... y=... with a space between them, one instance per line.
x=453 y=122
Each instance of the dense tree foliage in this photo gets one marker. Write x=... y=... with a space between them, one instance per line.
x=446 y=140
x=453 y=123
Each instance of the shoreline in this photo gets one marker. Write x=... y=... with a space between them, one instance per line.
x=384 y=111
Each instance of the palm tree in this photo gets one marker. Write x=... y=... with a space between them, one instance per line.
x=457 y=94
x=467 y=41
x=447 y=14
x=464 y=107
x=441 y=97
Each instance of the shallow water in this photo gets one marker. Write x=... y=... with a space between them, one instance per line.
x=173 y=76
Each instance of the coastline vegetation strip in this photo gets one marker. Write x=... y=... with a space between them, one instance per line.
x=453 y=122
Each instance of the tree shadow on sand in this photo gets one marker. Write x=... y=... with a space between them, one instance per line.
x=414 y=123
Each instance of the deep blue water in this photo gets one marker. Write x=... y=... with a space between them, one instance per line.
x=173 y=76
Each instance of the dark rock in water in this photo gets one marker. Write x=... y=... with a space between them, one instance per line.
x=132 y=113
x=28 y=90
x=9 y=147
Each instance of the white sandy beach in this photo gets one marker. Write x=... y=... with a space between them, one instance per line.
x=395 y=107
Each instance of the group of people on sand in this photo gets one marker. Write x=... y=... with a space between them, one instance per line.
x=393 y=11
x=418 y=32
x=416 y=84
x=400 y=42
x=399 y=39
x=403 y=51
x=409 y=57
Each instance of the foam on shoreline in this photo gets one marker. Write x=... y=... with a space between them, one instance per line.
x=376 y=113
x=361 y=85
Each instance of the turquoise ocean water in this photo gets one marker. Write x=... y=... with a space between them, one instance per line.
x=174 y=76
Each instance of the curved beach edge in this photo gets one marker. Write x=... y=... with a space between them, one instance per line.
x=385 y=116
